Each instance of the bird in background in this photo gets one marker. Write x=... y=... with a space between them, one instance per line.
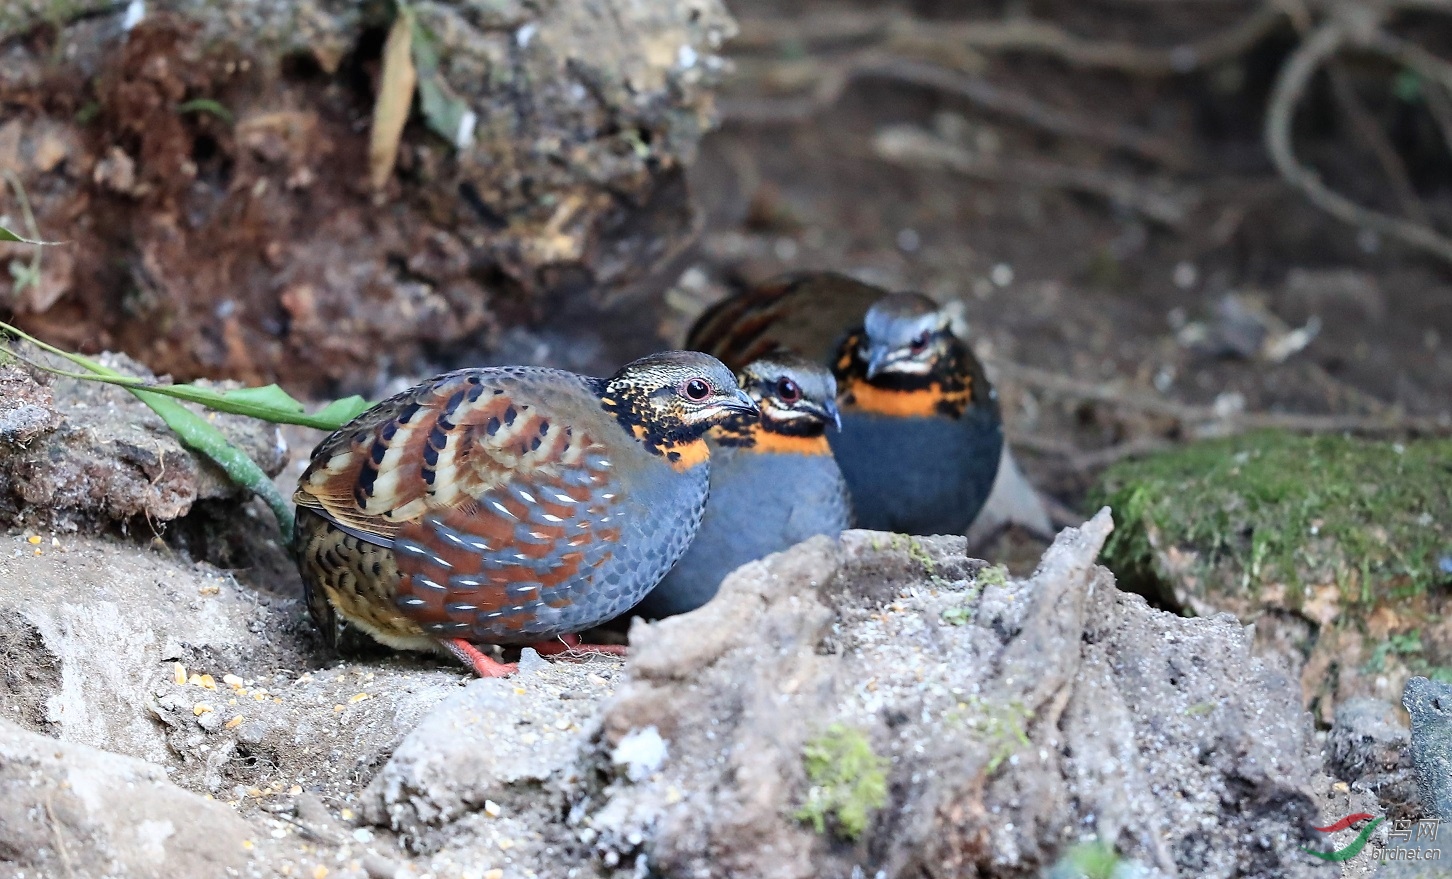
x=774 y=481
x=921 y=435
x=510 y=505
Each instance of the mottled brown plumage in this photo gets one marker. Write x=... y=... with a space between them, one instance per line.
x=510 y=505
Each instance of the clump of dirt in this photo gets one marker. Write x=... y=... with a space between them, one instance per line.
x=207 y=167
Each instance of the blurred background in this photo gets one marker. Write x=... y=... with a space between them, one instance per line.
x=1092 y=180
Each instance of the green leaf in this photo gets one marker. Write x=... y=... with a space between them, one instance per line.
x=201 y=436
x=442 y=108
x=206 y=105
x=340 y=412
x=7 y=235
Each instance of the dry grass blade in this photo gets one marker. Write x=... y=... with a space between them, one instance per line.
x=395 y=99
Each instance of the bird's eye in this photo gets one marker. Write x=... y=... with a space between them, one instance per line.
x=697 y=390
x=920 y=342
x=787 y=391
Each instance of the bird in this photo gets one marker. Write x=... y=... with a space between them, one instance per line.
x=922 y=434
x=509 y=505
x=774 y=482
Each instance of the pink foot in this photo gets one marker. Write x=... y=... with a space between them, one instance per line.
x=483 y=666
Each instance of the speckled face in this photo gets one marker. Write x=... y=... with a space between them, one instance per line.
x=797 y=397
x=904 y=334
x=675 y=396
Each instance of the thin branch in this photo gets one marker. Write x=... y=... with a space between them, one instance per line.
x=1200 y=421
x=1321 y=45
x=1024 y=35
x=911 y=146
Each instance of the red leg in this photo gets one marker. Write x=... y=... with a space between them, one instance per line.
x=483 y=666
x=570 y=644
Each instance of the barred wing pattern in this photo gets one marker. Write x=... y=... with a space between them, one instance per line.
x=497 y=514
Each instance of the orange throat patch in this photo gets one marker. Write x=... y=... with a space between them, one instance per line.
x=685 y=456
x=924 y=402
x=766 y=441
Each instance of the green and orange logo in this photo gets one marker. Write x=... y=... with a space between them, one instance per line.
x=1351 y=849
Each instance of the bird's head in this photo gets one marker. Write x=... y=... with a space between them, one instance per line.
x=674 y=397
x=905 y=334
x=796 y=397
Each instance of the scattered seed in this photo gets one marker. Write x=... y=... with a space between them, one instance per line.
x=234 y=722
x=254 y=792
x=209 y=589
x=201 y=708
x=496 y=873
x=33 y=540
x=179 y=674
x=358 y=698
x=320 y=872
x=562 y=723
x=520 y=691
x=337 y=709
x=295 y=790
x=207 y=683
x=492 y=809
x=248 y=844
x=506 y=844
x=346 y=814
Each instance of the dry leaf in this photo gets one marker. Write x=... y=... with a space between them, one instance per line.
x=395 y=97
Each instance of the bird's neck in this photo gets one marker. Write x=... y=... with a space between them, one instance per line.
x=767 y=435
x=954 y=383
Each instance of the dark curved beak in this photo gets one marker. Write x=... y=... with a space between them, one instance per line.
x=740 y=401
x=832 y=412
x=877 y=359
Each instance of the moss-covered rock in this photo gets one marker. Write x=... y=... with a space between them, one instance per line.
x=1345 y=544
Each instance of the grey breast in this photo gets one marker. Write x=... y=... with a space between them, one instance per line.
x=759 y=504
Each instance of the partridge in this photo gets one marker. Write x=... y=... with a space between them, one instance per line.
x=509 y=505
x=921 y=432
x=774 y=482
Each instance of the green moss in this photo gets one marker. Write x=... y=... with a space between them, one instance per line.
x=1269 y=507
x=1003 y=727
x=848 y=781
x=994 y=576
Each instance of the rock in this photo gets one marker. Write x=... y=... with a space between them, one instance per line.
x=1333 y=547
x=1369 y=748
x=453 y=763
x=27 y=408
x=72 y=810
x=1430 y=705
x=1014 y=720
x=87 y=454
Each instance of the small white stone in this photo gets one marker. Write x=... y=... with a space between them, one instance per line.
x=641 y=752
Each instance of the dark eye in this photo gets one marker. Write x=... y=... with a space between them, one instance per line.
x=787 y=391
x=697 y=390
x=919 y=343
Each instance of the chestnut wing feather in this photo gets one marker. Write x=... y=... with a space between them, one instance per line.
x=497 y=513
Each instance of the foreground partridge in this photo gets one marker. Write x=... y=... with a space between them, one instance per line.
x=509 y=505
x=921 y=434
x=774 y=482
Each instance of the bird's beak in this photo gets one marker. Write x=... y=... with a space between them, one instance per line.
x=833 y=413
x=878 y=358
x=740 y=402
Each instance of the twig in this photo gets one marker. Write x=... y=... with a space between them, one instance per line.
x=1322 y=44
x=1199 y=421
x=1369 y=132
x=909 y=145
x=834 y=78
x=1025 y=35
